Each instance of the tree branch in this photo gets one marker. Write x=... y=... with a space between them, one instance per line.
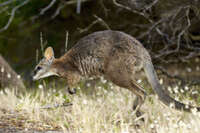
x=47 y=7
x=6 y=3
x=98 y=20
x=13 y=15
x=62 y=5
x=151 y=5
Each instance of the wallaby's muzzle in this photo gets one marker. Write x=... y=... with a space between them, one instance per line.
x=34 y=78
x=33 y=75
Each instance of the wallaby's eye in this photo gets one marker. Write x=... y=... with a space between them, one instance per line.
x=39 y=68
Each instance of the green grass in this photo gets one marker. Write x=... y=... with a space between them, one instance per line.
x=94 y=110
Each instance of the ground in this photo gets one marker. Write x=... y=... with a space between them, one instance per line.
x=103 y=108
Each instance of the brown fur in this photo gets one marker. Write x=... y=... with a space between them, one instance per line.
x=72 y=75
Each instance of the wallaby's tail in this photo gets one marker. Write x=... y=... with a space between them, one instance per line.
x=163 y=96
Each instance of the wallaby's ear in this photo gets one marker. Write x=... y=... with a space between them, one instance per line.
x=49 y=54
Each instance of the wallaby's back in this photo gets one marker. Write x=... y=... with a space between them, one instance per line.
x=93 y=53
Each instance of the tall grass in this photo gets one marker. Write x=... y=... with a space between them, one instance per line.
x=94 y=110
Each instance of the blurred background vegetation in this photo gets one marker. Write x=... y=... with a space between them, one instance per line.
x=170 y=30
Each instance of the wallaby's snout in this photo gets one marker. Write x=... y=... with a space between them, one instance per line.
x=34 y=73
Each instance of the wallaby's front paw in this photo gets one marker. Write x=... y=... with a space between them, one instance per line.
x=72 y=91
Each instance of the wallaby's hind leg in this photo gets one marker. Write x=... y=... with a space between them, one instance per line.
x=140 y=97
x=123 y=76
x=125 y=81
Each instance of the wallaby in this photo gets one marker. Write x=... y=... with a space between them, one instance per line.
x=113 y=54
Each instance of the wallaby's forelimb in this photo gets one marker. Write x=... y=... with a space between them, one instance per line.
x=71 y=91
x=140 y=98
x=137 y=104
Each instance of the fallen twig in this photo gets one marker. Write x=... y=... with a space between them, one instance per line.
x=56 y=106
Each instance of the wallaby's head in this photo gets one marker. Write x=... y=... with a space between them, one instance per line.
x=44 y=68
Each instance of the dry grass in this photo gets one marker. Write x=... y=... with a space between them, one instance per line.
x=97 y=111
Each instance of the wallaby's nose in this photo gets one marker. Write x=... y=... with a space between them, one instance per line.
x=32 y=75
x=34 y=72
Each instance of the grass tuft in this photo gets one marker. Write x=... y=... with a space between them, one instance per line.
x=99 y=110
